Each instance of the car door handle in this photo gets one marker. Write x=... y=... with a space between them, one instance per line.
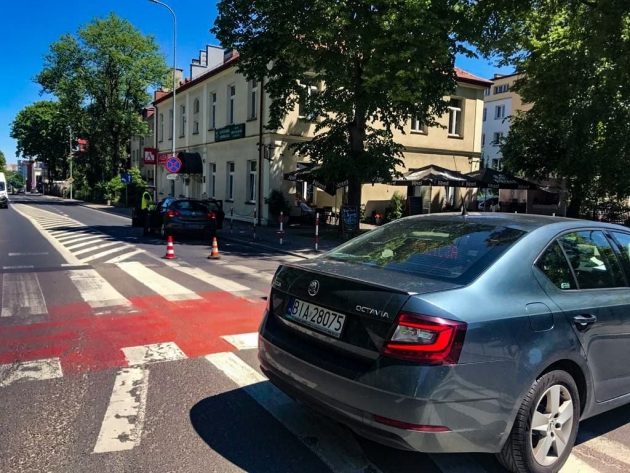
x=584 y=321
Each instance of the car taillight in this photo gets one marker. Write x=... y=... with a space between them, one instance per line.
x=172 y=213
x=212 y=215
x=425 y=339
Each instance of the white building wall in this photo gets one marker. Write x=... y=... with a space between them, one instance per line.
x=492 y=125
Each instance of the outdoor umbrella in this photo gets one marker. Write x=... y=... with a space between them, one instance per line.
x=492 y=179
x=433 y=175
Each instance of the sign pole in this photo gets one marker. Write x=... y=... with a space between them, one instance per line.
x=317 y=231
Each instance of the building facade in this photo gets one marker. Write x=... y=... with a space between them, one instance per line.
x=218 y=120
x=500 y=103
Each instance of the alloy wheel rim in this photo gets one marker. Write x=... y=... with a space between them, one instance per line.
x=552 y=425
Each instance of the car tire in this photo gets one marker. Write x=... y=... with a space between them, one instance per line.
x=543 y=434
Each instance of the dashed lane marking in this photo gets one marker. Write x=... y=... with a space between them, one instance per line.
x=22 y=295
x=124 y=419
x=333 y=445
x=48 y=368
x=243 y=341
x=33 y=253
x=165 y=287
x=155 y=353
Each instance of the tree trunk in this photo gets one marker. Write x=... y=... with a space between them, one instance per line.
x=357 y=147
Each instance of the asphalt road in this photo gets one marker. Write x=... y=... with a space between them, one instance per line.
x=115 y=360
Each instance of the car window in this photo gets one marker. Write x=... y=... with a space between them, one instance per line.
x=556 y=267
x=592 y=259
x=182 y=205
x=442 y=249
x=623 y=241
x=213 y=206
x=198 y=207
x=1 y=186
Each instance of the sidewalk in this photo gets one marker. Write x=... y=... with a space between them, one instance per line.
x=298 y=240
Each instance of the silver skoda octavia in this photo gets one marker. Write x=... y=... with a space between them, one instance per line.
x=450 y=333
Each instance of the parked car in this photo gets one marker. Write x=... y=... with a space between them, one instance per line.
x=173 y=216
x=444 y=333
x=4 y=196
x=487 y=204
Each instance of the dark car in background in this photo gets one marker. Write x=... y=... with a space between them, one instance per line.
x=216 y=206
x=178 y=216
x=486 y=332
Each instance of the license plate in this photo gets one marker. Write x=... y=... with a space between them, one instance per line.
x=317 y=317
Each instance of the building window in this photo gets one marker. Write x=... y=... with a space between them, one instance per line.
x=487 y=91
x=499 y=89
x=229 y=194
x=308 y=91
x=182 y=123
x=251 y=180
x=417 y=126
x=485 y=113
x=161 y=127
x=213 y=180
x=496 y=164
x=252 y=102
x=212 y=118
x=196 y=117
x=499 y=112
x=455 y=118
x=231 y=104
x=170 y=128
x=497 y=138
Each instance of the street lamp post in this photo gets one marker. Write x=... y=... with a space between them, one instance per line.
x=174 y=80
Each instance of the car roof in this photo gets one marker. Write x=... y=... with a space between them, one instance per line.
x=525 y=222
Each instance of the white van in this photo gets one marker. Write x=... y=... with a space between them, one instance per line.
x=4 y=195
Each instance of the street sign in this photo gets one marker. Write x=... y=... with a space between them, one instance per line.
x=125 y=177
x=150 y=155
x=173 y=164
x=172 y=177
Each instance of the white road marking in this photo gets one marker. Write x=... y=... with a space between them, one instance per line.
x=105 y=253
x=198 y=273
x=609 y=447
x=69 y=257
x=124 y=419
x=575 y=465
x=144 y=354
x=245 y=270
x=34 y=253
x=333 y=445
x=243 y=341
x=69 y=265
x=75 y=236
x=96 y=291
x=19 y=266
x=120 y=258
x=95 y=247
x=22 y=295
x=86 y=241
x=48 y=368
x=165 y=287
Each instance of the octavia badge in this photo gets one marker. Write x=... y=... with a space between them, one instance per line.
x=313 y=287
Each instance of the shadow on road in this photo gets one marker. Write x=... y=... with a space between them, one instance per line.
x=603 y=424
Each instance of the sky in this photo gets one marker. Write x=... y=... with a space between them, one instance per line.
x=31 y=26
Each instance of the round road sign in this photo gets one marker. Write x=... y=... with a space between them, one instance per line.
x=173 y=164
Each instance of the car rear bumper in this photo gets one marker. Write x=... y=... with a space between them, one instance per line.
x=476 y=425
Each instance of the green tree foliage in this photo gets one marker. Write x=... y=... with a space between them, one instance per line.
x=15 y=179
x=382 y=62
x=101 y=77
x=576 y=57
x=41 y=132
x=3 y=161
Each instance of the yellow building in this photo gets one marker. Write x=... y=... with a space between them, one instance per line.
x=218 y=120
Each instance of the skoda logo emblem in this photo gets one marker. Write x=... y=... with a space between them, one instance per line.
x=313 y=287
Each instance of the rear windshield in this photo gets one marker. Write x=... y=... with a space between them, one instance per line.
x=1 y=186
x=455 y=251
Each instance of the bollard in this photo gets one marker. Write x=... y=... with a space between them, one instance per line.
x=231 y=219
x=317 y=231
x=281 y=226
x=254 y=236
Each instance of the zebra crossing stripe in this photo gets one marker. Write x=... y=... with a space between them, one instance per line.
x=97 y=291
x=96 y=247
x=198 y=273
x=22 y=295
x=48 y=368
x=575 y=465
x=82 y=242
x=154 y=353
x=611 y=448
x=102 y=254
x=165 y=287
x=120 y=258
x=242 y=341
x=333 y=445
x=124 y=419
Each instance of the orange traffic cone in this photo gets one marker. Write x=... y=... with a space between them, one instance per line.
x=214 y=254
x=170 y=249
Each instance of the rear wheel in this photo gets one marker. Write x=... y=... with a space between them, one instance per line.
x=546 y=426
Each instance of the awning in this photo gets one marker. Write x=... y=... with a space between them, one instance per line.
x=493 y=179
x=308 y=172
x=191 y=163
x=433 y=175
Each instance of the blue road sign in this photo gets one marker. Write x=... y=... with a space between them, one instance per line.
x=125 y=177
x=173 y=164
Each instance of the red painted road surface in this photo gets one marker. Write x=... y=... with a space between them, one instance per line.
x=87 y=342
